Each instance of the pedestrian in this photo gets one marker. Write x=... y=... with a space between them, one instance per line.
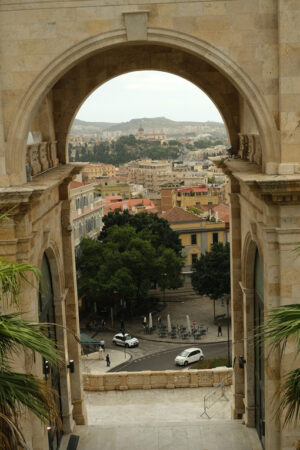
x=107 y=360
x=102 y=324
x=145 y=320
x=102 y=344
x=219 y=329
x=159 y=321
x=122 y=325
x=101 y=353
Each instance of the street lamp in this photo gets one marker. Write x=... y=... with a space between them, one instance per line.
x=228 y=342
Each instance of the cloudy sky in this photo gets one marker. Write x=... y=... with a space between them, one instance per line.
x=148 y=94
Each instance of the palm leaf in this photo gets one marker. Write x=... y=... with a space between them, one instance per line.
x=18 y=390
x=11 y=273
x=290 y=399
x=282 y=323
x=15 y=332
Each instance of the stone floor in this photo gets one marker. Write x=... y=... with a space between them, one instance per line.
x=161 y=420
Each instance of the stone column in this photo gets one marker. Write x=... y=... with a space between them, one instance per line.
x=236 y=305
x=248 y=316
x=71 y=305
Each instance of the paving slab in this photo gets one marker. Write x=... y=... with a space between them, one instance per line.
x=161 y=419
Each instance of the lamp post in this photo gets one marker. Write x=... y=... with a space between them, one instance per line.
x=228 y=341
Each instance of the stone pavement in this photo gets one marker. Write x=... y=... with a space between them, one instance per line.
x=199 y=309
x=91 y=363
x=161 y=419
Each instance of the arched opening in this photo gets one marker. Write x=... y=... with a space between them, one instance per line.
x=47 y=315
x=70 y=79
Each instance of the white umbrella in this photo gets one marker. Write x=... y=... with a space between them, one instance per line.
x=150 y=321
x=169 y=323
x=188 y=324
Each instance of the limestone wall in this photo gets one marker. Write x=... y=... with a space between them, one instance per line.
x=167 y=379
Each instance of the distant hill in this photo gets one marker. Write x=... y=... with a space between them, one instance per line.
x=170 y=127
x=82 y=127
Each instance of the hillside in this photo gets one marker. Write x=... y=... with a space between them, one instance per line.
x=170 y=127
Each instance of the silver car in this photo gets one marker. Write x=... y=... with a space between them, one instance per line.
x=125 y=340
x=188 y=356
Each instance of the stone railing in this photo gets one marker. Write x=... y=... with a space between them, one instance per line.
x=167 y=379
x=40 y=157
x=250 y=148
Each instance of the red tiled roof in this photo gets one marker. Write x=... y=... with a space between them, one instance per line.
x=76 y=184
x=223 y=212
x=179 y=215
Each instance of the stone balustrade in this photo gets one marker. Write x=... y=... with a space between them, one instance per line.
x=40 y=156
x=167 y=379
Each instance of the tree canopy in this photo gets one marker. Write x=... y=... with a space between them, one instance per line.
x=152 y=227
x=211 y=273
x=124 y=264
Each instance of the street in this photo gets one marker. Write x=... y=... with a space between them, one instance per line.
x=164 y=359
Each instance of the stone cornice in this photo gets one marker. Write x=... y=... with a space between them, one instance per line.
x=24 y=194
x=278 y=189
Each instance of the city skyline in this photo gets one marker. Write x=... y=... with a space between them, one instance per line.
x=148 y=94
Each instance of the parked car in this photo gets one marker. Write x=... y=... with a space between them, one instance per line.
x=188 y=356
x=125 y=340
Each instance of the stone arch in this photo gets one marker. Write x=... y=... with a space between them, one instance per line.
x=44 y=82
x=251 y=244
x=56 y=270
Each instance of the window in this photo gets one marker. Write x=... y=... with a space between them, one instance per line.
x=193 y=239
x=194 y=258
x=215 y=238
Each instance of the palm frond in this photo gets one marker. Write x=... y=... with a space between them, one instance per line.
x=290 y=399
x=282 y=323
x=16 y=332
x=11 y=436
x=11 y=273
x=18 y=390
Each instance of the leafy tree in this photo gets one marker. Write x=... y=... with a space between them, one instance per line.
x=123 y=265
x=283 y=325
x=21 y=391
x=160 y=231
x=211 y=273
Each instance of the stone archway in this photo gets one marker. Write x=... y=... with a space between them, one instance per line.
x=196 y=50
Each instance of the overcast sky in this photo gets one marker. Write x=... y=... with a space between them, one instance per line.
x=148 y=94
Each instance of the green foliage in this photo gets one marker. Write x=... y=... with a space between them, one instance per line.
x=211 y=363
x=124 y=264
x=125 y=149
x=283 y=324
x=154 y=228
x=19 y=390
x=195 y=210
x=211 y=273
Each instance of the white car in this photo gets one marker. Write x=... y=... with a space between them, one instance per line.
x=125 y=340
x=188 y=356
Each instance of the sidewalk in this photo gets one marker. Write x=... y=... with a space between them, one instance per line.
x=92 y=364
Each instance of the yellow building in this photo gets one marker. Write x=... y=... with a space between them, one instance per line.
x=91 y=171
x=195 y=196
x=110 y=187
x=196 y=235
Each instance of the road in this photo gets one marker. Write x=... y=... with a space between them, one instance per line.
x=164 y=359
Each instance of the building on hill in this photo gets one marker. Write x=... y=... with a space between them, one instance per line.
x=196 y=234
x=92 y=171
x=151 y=174
x=87 y=211
x=109 y=187
x=189 y=197
x=155 y=136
